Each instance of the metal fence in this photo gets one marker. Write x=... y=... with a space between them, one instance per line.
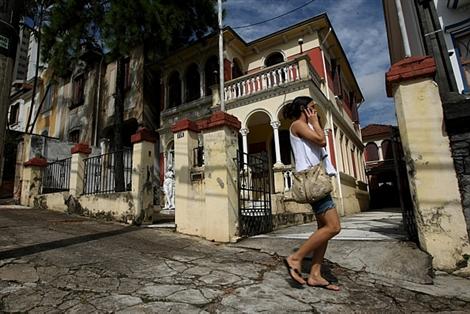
x=56 y=176
x=108 y=173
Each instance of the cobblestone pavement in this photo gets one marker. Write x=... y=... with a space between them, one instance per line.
x=54 y=263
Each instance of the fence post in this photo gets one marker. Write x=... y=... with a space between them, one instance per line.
x=188 y=218
x=142 y=173
x=220 y=146
x=77 y=168
x=32 y=180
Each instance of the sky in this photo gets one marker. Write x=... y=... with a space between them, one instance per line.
x=360 y=27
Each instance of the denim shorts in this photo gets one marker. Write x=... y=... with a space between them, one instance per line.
x=321 y=206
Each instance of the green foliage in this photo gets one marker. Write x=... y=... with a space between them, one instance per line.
x=115 y=27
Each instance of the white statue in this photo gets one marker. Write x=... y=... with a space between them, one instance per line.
x=169 y=189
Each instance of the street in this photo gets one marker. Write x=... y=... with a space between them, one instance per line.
x=56 y=263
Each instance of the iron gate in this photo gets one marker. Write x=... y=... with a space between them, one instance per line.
x=254 y=194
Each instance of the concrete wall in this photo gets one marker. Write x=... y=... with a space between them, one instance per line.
x=440 y=221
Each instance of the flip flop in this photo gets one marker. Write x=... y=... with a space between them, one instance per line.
x=324 y=286
x=295 y=270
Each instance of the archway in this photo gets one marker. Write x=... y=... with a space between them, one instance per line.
x=192 y=82
x=211 y=70
x=273 y=59
x=174 y=89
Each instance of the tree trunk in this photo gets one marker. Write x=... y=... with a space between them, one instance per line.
x=9 y=33
x=118 y=126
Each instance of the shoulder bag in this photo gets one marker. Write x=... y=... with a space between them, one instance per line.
x=311 y=185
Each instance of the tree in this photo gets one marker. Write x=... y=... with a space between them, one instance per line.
x=9 y=18
x=115 y=27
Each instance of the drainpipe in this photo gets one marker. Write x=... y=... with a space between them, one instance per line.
x=404 y=34
x=324 y=64
x=98 y=107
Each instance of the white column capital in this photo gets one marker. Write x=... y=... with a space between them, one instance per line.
x=244 y=131
x=275 y=124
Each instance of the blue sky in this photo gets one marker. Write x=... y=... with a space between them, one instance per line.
x=359 y=24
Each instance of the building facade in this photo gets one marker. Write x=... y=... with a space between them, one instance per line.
x=261 y=77
x=428 y=43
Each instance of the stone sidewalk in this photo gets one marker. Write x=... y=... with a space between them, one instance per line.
x=55 y=263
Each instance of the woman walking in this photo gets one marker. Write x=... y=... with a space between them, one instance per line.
x=307 y=140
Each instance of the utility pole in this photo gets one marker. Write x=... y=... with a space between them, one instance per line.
x=9 y=21
x=221 y=58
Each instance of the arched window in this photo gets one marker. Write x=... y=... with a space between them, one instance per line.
x=274 y=58
x=372 y=152
x=211 y=71
x=387 y=149
x=192 y=82
x=236 y=69
x=174 y=90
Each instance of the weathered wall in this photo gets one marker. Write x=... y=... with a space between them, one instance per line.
x=351 y=203
x=440 y=221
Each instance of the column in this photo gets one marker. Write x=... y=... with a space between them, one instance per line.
x=189 y=200
x=202 y=81
x=77 y=168
x=244 y=132
x=183 y=89
x=143 y=153
x=220 y=143
x=277 y=148
x=441 y=223
x=166 y=95
x=379 y=149
x=32 y=180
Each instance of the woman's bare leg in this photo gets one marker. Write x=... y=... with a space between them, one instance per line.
x=318 y=240
x=315 y=278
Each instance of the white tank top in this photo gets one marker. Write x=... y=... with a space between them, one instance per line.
x=306 y=154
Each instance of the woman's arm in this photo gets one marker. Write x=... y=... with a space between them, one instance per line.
x=317 y=135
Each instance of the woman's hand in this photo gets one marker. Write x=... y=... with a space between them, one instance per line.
x=312 y=116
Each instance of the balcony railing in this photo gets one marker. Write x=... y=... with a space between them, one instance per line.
x=266 y=79
x=287 y=175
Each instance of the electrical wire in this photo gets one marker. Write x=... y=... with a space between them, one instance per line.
x=273 y=18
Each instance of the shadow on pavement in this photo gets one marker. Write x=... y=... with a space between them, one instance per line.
x=41 y=247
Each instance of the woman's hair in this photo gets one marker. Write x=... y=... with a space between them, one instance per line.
x=295 y=108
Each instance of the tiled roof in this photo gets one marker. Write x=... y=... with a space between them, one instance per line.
x=375 y=131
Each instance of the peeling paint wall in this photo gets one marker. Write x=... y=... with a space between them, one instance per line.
x=441 y=225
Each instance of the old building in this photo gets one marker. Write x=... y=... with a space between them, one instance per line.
x=261 y=77
x=181 y=94
x=428 y=43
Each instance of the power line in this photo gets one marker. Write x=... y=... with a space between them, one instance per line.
x=273 y=18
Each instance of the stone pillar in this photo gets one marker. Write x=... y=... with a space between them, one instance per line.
x=379 y=150
x=304 y=67
x=277 y=148
x=189 y=219
x=244 y=132
x=143 y=154
x=77 y=168
x=440 y=221
x=202 y=80
x=215 y=95
x=220 y=147
x=32 y=180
